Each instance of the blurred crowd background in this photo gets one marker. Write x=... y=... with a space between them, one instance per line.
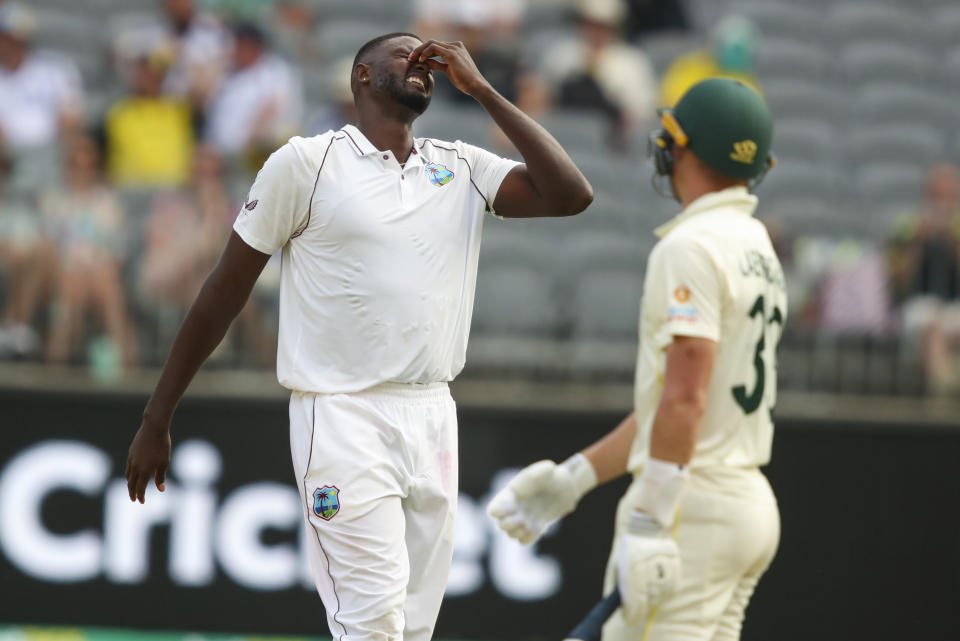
x=130 y=131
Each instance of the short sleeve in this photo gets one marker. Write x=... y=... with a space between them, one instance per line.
x=685 y=289
x=278 y=204
x=487 y=170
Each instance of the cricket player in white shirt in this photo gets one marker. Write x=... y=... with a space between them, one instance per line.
x=380 y=234
x=700 y=524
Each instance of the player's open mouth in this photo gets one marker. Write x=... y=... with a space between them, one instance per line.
x=418 y=81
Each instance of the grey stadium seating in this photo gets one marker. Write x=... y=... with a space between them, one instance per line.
x=873 y=21
x=886 y=103
x=803 y=98
x=806 y=140
x=908 y=142
x=793 y=60
x=863 y=62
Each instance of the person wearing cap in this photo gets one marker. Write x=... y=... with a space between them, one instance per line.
x=41 y=92
x=149 y=135
x=699 y=525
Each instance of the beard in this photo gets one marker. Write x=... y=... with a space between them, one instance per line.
x=403 y=93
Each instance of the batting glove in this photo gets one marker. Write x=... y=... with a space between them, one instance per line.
x=648 y=567
x=540 y=494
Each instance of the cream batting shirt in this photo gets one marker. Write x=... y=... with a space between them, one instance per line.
x=714 y=275
x=379 y=262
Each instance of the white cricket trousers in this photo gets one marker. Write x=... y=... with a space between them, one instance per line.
x=728 y=530
x=377 y=472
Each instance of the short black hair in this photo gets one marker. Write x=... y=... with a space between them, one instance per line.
x=372 y=44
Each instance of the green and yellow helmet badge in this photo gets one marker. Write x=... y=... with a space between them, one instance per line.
x=726 y=124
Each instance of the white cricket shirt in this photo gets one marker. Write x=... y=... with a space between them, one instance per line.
x=379 y=262
x=35 y=96
x=714 y=274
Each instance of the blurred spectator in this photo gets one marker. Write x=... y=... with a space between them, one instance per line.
x=86 y=224
x=200 y=47
x=925 y=272
x=502 y=18
x=26 y=266
x=149 y=136
x=646 y=16
x=339 y=109
x=731 y=53
x=259 y=105
x=838 y=286
x=489 y=30
x=41 y=97
x=185 y=234
x=292 y=25
x=601 y=72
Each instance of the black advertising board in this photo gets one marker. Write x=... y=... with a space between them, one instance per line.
x=869 y=526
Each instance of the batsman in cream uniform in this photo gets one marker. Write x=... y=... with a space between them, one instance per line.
x=380 y=236
x=699 y=524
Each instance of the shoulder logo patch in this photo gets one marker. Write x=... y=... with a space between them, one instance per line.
x=326 y=502
x=250 y=206
x=744 y=151
x=682 y=294
x=438 y=174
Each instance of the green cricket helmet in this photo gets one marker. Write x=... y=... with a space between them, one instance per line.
x=725 y=123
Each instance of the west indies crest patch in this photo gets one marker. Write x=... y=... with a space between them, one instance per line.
x=438 y=174
x=326 y=502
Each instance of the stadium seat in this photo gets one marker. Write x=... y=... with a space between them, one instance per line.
x=909 y=142
x=813 y=141
x=539 y=40
x=792 y=59
x=794 y=179
x=886 y=189
x=447 y=122
x=578 y=130
x=335 y=38
x=945 y=24
x=604 y=248
x=780 y=20
x=807 y=99
x=865 y=62
x=605 y=310
x=812 y=214
x=663 y=48
x=516 y=323
x=620 y=176
x=886 y=103
x=390 y=16
x=951 y=67
x=541 y=15
x=851 y=21
x=59 y=30
x=513 y=297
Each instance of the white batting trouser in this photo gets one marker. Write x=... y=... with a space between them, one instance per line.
x=381 y=561
x=728 y=530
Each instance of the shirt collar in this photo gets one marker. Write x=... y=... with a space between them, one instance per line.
x=360 y=143
x=736 y=198
x=364 y=147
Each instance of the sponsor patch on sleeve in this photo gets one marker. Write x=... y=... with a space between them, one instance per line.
x=682 y=313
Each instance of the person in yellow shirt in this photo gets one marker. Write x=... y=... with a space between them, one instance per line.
x=149 y=137
x=731 y=54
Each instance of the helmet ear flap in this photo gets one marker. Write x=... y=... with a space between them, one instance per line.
x=660 y=149
x=756 y=180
